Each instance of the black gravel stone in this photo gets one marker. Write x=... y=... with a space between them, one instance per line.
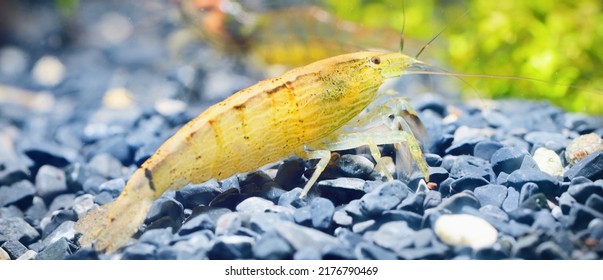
x=490 y=254
x=197 y=223
x=87 y=253
x=468 y=166
x=549 y=250
x=140 y=251
x=58 y=250
x=65 y=230
x=117 y=147
x=595 y=202
x=437 y=174
x=432 y=199
x=507 y=159
x=456 y=202
x=45 y=153
x=265 y=222
x=214 y=213
x=468 y=183
x=338 y=253
x=228 y=199
x=566 y=202
x=491 y=194
x=254 y=205
x=369 y=251
x=57 y=218
x=291 y=198
x=580 y=216
x=50 y=182
x=165 y=207
x=272 y=192
x=525 y=248
x=527 y=190
x=231 y=248
x=428 y=253
x=103 y=198
x=494 y=212
x=17 y=229
x=14 y=248
x=342 y=190
x=157 y=237
x=113 y=187
x=355 y=166
x=384 y=197
x=394 y=236
x=433 y=160
x=289 y=173
x=590 y=167
x=11 y=211
x=465 y=146
x=20 y=193
x=322 y=210
x=106 y=165
x=550 y=140
x=582 y=192
x=512 y=201
x=485 y=149
x=300 y=237
x=271 y=246
x=303 y=216
x=545 y=182
x=36 y=211
x=413 y=202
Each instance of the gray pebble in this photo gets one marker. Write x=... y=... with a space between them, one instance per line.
x=368 y=251
x=113 y=187
x=394 y=235
x=512 y=201
x=17 y=229
x=157 y=237
x=301 y=237
x=491 y=194
x=50 y=182
x=140 y=251
x=455 y=203
x=106 y=165
x=271 y=246
x=20 y=193
x=254 y=205
x=303 y=216
x=231 y=248
x=384 y=197
x=57 y=250
x=14 y=249
x=321 y=211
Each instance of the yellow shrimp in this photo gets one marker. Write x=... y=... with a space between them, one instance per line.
x=309 y=111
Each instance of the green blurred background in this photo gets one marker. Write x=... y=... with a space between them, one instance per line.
x=558 y=41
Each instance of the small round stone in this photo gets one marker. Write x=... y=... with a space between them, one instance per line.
x=465 y=230
x=548 y=161
x=582 y=146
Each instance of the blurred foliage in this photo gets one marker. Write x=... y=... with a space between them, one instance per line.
x=66 y=7
x=555 y=41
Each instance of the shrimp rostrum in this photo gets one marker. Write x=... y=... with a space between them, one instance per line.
x=330 y=105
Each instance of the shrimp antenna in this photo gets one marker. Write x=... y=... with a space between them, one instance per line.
x=437 y=35
x=403 y=27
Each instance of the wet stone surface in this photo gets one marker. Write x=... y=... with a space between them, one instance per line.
x=516 y=177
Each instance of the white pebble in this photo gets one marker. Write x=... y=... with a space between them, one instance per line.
x=48 y=71
x=118 y=98
x=28 y=255
x=115 y=28
x=465 y=230
x=169 y=107
x=548 y=161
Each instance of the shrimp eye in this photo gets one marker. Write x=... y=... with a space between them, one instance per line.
x=375 y=60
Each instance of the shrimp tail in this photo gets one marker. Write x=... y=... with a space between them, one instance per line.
x=109 y=226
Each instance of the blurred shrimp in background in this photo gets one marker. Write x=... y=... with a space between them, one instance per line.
x=287 y=33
